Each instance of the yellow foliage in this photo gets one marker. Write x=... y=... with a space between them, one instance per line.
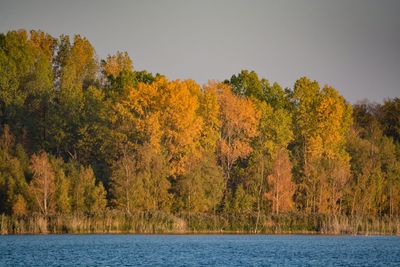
x=209 y=111
x=165 y=115
x=43 y=42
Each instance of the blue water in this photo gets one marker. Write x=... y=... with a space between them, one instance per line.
x=198 y=250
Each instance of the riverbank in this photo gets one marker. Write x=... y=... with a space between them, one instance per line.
x=114 y=222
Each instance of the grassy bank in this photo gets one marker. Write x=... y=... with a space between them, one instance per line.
x=158 y=222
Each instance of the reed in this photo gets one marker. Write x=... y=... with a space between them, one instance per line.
x=114 y=221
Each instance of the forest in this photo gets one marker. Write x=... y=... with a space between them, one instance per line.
x=92 y=145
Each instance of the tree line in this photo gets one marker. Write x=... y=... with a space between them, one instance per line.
x=82 y=135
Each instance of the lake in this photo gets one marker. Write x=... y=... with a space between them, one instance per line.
x=198 y=250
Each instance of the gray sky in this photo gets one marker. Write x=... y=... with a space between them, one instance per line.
x=353 y=45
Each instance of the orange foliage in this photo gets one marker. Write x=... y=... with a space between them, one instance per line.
x=280 y=181
x=165 y=115
x=239 y=120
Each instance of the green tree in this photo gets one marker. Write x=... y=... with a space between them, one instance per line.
x=248 y=84
x=201 y=188
x=13 y=186
x=139 y=181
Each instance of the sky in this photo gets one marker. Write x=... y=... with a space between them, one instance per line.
x=353 y=46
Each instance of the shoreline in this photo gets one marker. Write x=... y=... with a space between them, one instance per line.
x=206 y=234
x=222 y=233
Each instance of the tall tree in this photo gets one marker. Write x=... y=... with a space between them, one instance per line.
x=239 y=120
x=323 y=120
x=42 y=185
x=280 y=181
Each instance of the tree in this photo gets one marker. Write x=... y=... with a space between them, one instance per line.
x=209 y=111
x=26 y=81
x=323 y=119
x=94 y=195
x=13 y=186
x=390 y=118
x=242 y=202
x=76 y=69
x=79 y=67
x=87 y=197
x=275 y=133
x=153 y=171
x=248 y=84
x=367 y=180
x=97 y=199
x=334 y=120
x=239 y=121
x=163 y=114
x=63 y=200
x=62 y=188
x=119 y=76
x=115 y=64
x=181 y=123
x=139 y=181
x=19 y=207
x=201 y=188
x=280 y=182
x=42 y=185
x=391 y=172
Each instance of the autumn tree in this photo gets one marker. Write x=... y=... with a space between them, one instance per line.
x=275 y=127
x=42 y=185
x=374 y=165
x=163 y=114
x=391 y=172
x=323 y=120
x=239 y=120
x=366 y=184
x=275 y=133
x=200 y=188
x=209 y=111
x=281 y=184
x=334 y=120
x=181 y=123
x=115 y=64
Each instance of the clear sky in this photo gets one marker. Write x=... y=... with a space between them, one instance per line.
x=351 y=45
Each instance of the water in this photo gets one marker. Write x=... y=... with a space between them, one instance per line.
x=198 y=250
